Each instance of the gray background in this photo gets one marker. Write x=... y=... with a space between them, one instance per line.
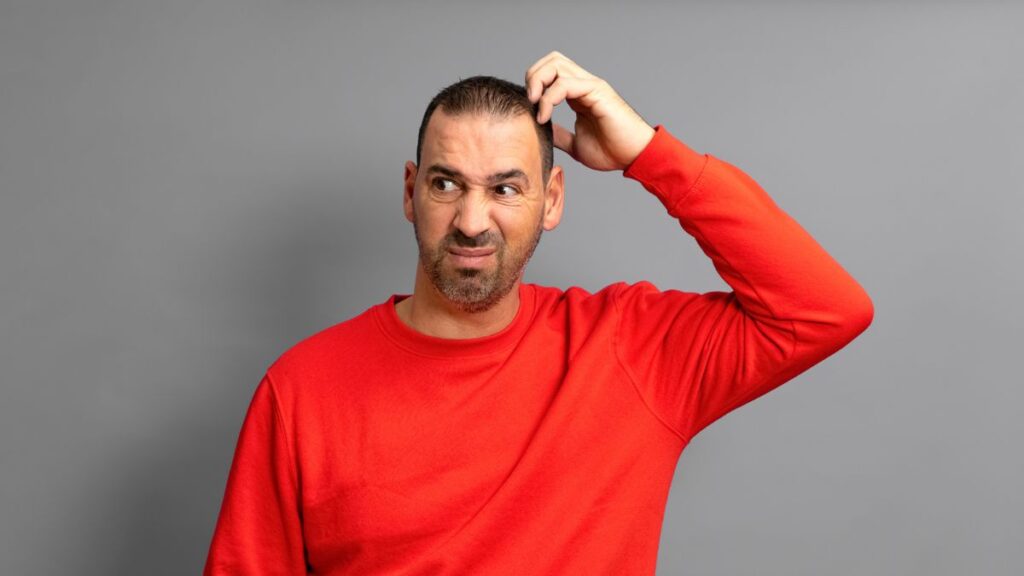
x=188 y=188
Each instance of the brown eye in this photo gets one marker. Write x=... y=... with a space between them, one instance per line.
x=506 y=191
x=440 y=184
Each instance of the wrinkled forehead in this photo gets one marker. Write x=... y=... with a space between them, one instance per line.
x=478 y=145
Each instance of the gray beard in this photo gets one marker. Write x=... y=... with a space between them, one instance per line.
x=472 y=290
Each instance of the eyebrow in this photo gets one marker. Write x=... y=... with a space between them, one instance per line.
x=493 y=178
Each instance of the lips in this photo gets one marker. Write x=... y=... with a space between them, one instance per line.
x=471 y=252
x=470 y=257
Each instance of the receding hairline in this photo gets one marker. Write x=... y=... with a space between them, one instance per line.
x=483 y=111
x=491 y=97
x=493 y=116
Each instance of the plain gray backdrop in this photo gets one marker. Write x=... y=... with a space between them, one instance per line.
x=187 y=188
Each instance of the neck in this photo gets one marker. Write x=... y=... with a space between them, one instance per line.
x=429 y=312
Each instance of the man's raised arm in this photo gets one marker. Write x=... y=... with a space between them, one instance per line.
x=695 y=357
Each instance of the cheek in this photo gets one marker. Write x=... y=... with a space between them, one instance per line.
x=433 y=221
x=518 y=227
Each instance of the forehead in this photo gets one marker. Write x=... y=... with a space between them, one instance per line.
x=478 y=144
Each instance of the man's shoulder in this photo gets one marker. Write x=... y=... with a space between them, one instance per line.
x=576 y=297
x=554 y=294
x=614 y=297
x=327 y=345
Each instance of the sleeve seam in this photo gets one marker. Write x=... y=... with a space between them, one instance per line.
x=734 y=402
x=659 y=191
x=754 y=289
x=632 y=377
x=698 y=181
x=284 y=430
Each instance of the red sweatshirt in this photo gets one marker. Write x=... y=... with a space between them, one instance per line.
x=549 y=447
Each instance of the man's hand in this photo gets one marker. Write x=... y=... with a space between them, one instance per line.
x=609 y=134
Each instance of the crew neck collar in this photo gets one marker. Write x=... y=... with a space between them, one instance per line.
x=423 y=344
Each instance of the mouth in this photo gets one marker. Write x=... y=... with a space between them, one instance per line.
x=470 y=257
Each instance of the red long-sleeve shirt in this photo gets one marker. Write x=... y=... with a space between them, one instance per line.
x=549 y=447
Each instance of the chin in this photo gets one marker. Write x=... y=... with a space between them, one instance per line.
x=472 y=297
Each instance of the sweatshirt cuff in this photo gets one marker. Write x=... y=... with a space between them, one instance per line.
x=667 y=167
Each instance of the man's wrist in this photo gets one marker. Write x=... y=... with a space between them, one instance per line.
x=637 y=161
x=667 y=167
x=641 y=141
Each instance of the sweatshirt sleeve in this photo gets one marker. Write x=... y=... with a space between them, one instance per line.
x=259 y=530
x=695 y=357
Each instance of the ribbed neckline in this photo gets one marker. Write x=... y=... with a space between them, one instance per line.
x=419 y=343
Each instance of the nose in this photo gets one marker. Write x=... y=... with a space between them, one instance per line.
x=472 y=217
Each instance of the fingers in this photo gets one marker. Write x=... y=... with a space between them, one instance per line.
x=609 y=132
x=559 y=60
x=546 y=71
x=563 y=139
x=561 y=89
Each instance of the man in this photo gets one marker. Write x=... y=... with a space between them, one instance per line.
x=483 y=425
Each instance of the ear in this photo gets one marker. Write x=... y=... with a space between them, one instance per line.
x=410 y=187
x=554 y=199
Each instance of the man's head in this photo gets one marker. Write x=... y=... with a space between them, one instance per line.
x=482 y=191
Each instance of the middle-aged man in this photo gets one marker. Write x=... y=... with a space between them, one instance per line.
x=482 y=425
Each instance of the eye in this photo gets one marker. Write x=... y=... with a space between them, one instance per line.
x=506 y=191
x=440 y=184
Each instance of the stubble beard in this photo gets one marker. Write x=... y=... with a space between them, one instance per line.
x=474 y=289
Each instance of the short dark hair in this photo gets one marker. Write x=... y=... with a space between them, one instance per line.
x=494 y=97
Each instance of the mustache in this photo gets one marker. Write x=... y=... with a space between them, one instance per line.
x=481 y=240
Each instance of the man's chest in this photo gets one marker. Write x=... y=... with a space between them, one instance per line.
x=412 y=460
